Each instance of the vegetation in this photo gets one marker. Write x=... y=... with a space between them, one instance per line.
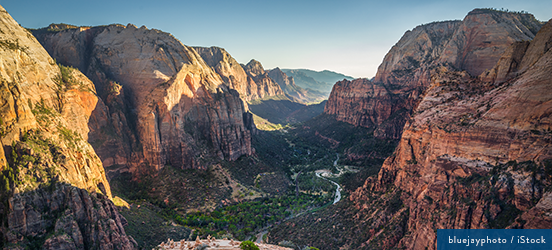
x=324 y=136
x=275 y=185
x=43 y=114
x=333 y=227
x=13 y=45
x=64 y=81
x=26 y=163
x=141 y=215
x=264 y=124
x=266 y=186
x=244 y=218
x=248 y=245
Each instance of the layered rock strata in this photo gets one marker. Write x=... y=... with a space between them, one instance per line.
x=179 y=111
x=476 y=154
x=474 y=44
x=52 y=180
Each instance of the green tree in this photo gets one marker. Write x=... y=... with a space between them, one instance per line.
x=248 y=245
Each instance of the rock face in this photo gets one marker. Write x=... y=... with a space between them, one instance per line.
x=258 y=77
x=321 y=81
x=251 y=86
x=362 y=102
x=476 y=153
x=213 y=243
x=288 y=86
x=45 y=159
x=474 y=45
x=165 y=104
x=81 y=220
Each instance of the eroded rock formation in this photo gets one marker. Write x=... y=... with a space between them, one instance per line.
x=165 y=104
x=476 y=153
x=52 y=180
x=476 y=148
x=474 y=44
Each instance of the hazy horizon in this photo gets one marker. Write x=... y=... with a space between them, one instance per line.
x=348 y=37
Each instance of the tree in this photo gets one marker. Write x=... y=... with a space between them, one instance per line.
x=248 y=245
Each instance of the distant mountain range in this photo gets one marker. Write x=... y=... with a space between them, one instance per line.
x=322 y=81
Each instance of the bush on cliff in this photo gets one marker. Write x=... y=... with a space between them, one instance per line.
x=248 y=245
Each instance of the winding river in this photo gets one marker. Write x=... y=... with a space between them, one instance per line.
x=338 y=187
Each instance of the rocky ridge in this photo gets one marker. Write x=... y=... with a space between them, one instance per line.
x=321 y=81
x=251 y=85
x=52 y=180
x=362 y=102
x=212 y=243
x=291 y=89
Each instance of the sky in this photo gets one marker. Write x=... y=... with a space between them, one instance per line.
x=346 y=36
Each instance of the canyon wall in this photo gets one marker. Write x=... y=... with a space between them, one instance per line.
x=165 y=104
x=476 y=153
x=52 y=180
x=474 y=44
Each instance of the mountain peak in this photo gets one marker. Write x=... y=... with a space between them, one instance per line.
x=254 y=67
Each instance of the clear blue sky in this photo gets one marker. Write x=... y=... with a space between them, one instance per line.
x=350 y=37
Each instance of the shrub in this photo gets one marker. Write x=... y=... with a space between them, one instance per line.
x=310 y=248
x=248 y=245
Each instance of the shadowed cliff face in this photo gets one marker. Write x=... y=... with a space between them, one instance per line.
x=476 y=154
x=44 y=156
x=171 y=107
x=474 y=45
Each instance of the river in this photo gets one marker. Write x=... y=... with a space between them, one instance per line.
x=338 y=187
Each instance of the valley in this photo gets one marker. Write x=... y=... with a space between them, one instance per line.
x=121 y=137
x=287 y=183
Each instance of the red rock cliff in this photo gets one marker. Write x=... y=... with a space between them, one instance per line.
x=476 y=153
x=52 y=181
x=474 y=44
x=178 y=109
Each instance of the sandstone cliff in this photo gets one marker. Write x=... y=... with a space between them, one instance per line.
x=250 y=86
x=258 y=77
x=49 y=171
x=362 y=102
x=171 y=106
x=474 y=44
x=476 y=154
